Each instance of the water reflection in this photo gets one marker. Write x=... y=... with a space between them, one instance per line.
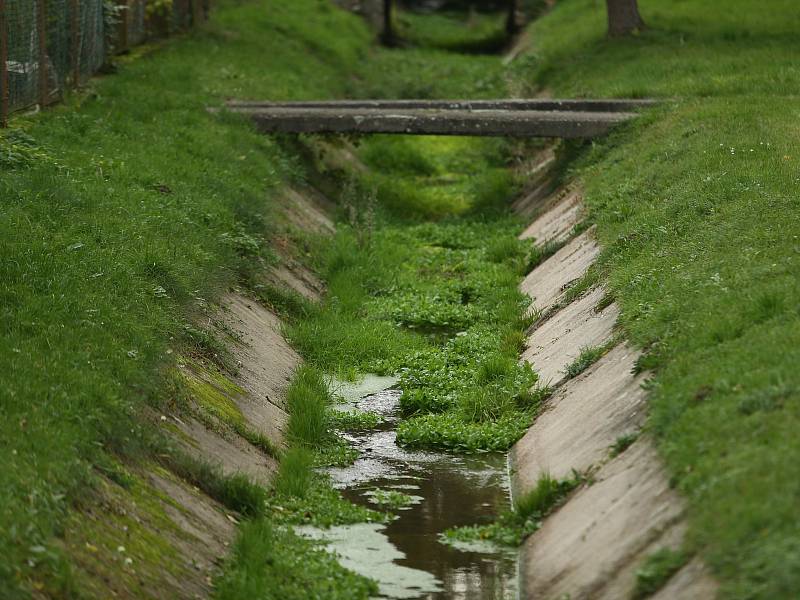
x=406 y=555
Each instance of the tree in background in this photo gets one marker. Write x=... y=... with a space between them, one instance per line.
x=388 y=37
x=623 y=17
x=512 y=25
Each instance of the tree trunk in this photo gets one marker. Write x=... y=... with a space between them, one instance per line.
x=511 y=22
x=623 y=17
x=388 y=27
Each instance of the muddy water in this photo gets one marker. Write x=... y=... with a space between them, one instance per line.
x=406 y=556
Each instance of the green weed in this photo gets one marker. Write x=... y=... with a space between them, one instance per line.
x=353 y=420
x=237 y=491
x=512 y=527
x=271 y=563
x=622 y=443
x=307 y=400
x=587 y=357
x=656 y=570
x=390 y=499
x=295 y=474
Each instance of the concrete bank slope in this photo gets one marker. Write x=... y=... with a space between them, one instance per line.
x=592 y=546
x=157 y=535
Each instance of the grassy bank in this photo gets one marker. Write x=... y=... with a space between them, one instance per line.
x=697 y=208
x=124 y=212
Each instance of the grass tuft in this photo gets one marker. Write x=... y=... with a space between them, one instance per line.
x=656 y=571
x=307 y=399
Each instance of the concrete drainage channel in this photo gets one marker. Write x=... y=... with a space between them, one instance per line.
x=591 y=547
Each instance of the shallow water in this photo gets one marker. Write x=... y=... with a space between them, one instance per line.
x=406 y=556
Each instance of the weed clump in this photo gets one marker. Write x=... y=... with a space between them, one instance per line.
x=513 y=526
x=656 y=571
x=270 y=562
x=295 y=473
x=307 y=399
x=238 y=492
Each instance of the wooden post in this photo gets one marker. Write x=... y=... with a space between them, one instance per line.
x=3 y=65
x=41 y=26
x=75 y=42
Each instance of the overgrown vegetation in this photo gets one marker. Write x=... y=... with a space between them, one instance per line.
x=270 y=562
x=430 y=292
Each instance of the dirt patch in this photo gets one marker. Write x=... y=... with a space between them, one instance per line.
x=559 y=340
x=547 y=282
x=583 y=420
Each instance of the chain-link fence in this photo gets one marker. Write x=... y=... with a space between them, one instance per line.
x=49 y=45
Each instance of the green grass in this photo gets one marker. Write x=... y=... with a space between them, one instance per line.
x=513 y=526
x=123 y=212
x=237 y=491
x=587 y=357
x=307 y=400
x=475 y=33
x=109 y=248
x=697 y=209
x=271 y=563
x=656 y=570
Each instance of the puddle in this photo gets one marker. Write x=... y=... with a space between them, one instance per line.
x=406 y=556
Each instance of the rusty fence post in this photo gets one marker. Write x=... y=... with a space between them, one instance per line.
x=3 y=65
x=75 y=33
x=41 y=27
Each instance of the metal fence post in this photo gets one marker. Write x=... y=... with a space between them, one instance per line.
x=41 y=26
x=3 y=65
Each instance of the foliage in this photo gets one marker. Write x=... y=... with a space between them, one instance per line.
x=656 y=570
x=18 y=150
x=353 y=420
x=622 y=443
x=272 y=563
x=319 y=505
x=391 y=499
x=237 y=491
x=512 y=527
x=587 y=357
x=307 y=400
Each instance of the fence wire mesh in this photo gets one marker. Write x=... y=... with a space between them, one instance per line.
x=47 y=46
